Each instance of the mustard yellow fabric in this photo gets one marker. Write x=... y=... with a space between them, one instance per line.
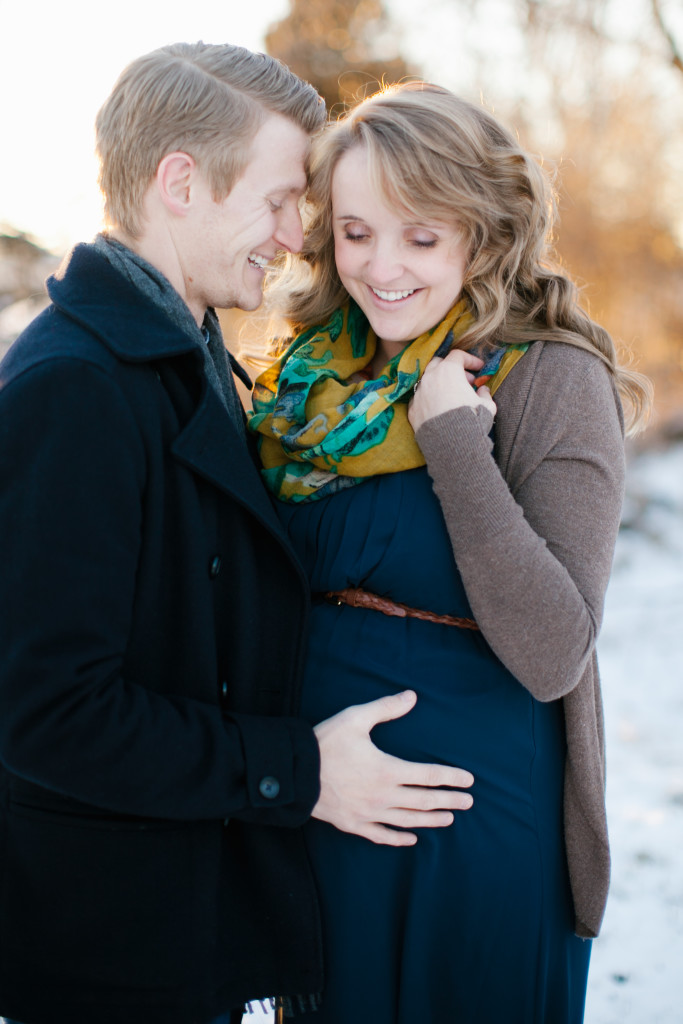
x=319 y=430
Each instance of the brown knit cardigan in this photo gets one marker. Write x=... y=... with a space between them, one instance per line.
x=533 y=525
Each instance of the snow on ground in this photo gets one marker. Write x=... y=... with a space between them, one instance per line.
x=637 y=963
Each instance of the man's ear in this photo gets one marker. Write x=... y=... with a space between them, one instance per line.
x=173 y=179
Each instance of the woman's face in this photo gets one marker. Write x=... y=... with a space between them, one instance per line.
x=404 y=273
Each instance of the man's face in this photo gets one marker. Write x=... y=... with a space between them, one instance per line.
x=233 y=240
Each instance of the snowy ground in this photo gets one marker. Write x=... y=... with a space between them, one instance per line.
x=637 y=965
x=637 y=968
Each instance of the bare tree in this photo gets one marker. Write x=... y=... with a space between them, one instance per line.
x=343 y=47
x=676 y=59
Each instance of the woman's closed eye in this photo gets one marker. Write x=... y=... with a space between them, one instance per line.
x=361 y=236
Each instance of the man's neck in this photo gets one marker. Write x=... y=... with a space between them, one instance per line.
x=162 y=254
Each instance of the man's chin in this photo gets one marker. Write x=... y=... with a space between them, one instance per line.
x=248 y=303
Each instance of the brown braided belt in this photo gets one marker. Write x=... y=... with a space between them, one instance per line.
x=358 y=598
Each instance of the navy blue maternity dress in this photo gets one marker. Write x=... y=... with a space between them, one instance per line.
x=474 y=924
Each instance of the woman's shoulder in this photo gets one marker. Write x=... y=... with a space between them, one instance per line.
x=551 y=372
x=557 y=394
x=559 y=358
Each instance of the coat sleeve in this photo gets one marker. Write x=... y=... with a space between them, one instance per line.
x=73 y=473
x=535 y=554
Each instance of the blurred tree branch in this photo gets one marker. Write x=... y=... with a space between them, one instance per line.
x=343 y=47
x=676 y=58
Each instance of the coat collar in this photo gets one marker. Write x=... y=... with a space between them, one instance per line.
x=92 y=292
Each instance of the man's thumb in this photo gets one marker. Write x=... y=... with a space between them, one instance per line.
x=386 y=708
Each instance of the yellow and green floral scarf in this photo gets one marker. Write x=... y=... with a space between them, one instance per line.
x=319 y=431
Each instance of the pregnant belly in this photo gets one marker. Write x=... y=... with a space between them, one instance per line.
x=470 y=711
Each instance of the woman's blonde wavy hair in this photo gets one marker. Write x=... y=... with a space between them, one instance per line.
x=439 y=157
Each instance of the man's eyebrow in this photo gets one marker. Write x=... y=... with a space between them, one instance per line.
x=288 y=188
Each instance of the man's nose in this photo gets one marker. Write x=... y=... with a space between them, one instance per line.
x=289 y=233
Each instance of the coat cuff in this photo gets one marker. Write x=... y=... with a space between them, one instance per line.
x=282 y=769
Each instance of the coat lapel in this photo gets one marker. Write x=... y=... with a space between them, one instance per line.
x=92 y=292
x=210 y=445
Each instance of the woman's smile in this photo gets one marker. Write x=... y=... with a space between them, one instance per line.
x=385 y=296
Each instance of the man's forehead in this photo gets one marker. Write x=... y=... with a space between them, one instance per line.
x=279 y=155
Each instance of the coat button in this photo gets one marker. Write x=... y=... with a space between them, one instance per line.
x=215 y=566
x=269 y=787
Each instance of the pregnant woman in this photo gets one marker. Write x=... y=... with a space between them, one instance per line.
x=444 y=436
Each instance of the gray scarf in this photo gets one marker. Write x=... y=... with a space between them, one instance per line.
x=158 y=289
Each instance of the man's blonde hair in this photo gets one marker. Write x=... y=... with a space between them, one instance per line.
x=205 y=100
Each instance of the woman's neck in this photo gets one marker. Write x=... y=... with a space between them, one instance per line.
x=384 y=352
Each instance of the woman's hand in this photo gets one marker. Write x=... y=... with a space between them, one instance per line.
x=447 y=384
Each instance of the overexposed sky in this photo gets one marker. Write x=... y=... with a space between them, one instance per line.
x=58 y=61
x=60 y=58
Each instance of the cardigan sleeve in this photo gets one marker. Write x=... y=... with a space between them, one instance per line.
x=535 y=551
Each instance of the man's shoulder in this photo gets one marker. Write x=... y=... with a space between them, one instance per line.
x=54 y=336
x=95 y=316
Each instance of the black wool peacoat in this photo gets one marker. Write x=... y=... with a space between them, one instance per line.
x=152 y=623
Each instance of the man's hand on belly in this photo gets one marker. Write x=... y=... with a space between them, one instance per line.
x=373 y=794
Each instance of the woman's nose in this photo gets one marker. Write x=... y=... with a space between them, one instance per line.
x=385 y=265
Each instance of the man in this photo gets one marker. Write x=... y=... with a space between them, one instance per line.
x=152 y=615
